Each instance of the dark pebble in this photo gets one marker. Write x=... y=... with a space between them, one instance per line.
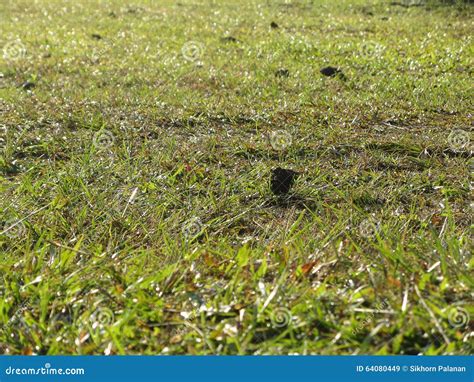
x=330 y=71
x=274 y=25
x=282 y=180
x=96 y=36
x=282 y=73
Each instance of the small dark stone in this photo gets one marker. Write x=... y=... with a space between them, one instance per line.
x=384 y=18
x=282 y=73
x=274 y=25
x=96 y=36
x=229 y=39
x=27 y=85
x=282 y=180
x=331 y=71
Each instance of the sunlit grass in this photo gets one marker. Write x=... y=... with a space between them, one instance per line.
x=136 y=210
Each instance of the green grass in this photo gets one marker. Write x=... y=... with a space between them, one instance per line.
x=138 y=179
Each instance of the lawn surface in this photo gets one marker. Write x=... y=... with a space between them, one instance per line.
x=137 y=144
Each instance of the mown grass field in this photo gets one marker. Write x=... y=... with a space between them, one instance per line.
x=137 y=144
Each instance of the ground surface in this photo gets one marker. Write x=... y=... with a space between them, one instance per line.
x=137 y=144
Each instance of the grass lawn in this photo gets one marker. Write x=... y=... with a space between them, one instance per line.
x=137 y=146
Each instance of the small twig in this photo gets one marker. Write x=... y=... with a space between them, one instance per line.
x=394 y=126
x=130 y=200
x=443 y=228
x=270 y=297
x=405 y=299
